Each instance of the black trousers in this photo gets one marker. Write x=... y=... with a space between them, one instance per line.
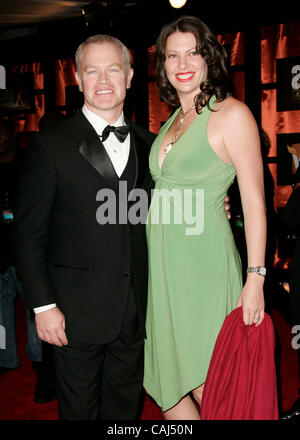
x=103 y=381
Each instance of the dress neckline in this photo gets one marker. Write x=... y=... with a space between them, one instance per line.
x=167 y=126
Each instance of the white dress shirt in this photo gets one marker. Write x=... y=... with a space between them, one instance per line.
x=118 y=153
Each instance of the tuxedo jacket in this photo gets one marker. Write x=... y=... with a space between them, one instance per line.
x=63 y=254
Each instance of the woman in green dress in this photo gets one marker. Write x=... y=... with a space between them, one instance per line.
x=195 y=277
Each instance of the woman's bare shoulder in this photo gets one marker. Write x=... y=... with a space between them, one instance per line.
x=232 y=111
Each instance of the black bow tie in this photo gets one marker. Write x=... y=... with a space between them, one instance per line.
x=120 y=132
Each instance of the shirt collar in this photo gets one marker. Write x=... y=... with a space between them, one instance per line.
x=99 y=123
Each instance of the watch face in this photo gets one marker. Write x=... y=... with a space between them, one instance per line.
x=262 y=271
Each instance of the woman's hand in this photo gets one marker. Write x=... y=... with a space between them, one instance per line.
x=252 y=301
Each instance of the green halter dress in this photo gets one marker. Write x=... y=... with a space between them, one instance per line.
x=194 y=267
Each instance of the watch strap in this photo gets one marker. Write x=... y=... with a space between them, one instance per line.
x=260 y=270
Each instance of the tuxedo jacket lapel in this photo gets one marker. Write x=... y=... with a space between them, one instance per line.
x=94 y=152
x=141 y=150
x=134 y=148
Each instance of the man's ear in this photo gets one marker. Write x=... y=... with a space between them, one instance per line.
x=78 y=79
x=129 y=78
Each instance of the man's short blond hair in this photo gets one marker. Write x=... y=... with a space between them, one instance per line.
x=100 y=38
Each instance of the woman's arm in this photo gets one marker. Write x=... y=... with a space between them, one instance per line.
x=242 y=142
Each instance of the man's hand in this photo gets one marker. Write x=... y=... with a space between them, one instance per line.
x=50 y=327
x=296 y=185
x=227 y=207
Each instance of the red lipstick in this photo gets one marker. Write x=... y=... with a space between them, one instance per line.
x=185 y=76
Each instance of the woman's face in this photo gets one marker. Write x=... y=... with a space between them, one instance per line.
x=186 y=69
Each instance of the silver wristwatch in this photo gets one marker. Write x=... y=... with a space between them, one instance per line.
x=261 y=270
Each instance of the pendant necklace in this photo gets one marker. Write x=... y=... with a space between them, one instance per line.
x=169 y=146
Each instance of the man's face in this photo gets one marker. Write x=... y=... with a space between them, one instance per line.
x=103 y=79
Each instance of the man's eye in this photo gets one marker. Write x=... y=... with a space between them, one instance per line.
x=91 y=72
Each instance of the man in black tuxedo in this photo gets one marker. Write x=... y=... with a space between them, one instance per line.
x=85 y=279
